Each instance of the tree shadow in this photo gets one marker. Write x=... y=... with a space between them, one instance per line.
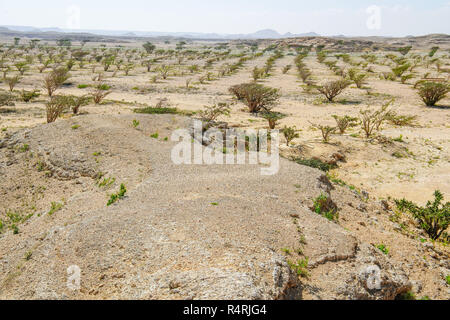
x=440 y=107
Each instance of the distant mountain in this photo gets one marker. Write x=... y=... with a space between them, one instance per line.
x=261 y=34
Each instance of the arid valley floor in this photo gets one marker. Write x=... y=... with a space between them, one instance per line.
x=221 y=232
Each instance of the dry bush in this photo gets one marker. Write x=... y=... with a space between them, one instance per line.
x=290 y=133
x=164 y=71
x=21 y=66
x=55 y=107
x=163 y=103
x=211 y=113
x=400 y=120
x=149 y=47
x=6 y=99
x=27 y=96
x=406 y=77
x=321 y=56
x=387 y=76
x=432 y=92
x=356 y=77
x=273 y=118
x=99 y=93
x=372 y=120
x=257 y=97
x=400 y=70
x=345 y=122
x=12 y=82
x=55 y=80
x=304 y=74
x=332 y=89
x=257 y=73
x=128 y=67
x=76 y=102
x=325 y=130
x=287 y=68
x=405 y=50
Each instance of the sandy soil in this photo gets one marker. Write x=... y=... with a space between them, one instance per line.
x=370 y=166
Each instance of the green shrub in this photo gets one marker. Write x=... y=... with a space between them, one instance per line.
x=156 y=110
x=432 y=92
x=400 y=120
x=383 y=248
x=409 y=295
x=434 y=218
x=55 y=206
x=325 y=207
x=27 y=96
x=343 y=123
x=300 y=267
x=289 y=134
x=117 y=196
x=332 y=89
x=6 y=99
x=272 y=118
x=211 y=113
x=256 y=96
x=400 y=70
x=317 y=164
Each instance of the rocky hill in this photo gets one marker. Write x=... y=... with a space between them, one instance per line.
x=180 y=232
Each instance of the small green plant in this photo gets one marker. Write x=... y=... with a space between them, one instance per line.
x=27 y=96
x=447 y=279
x=117 y=196
x=214 y=203
x=135 y=123
x=325 y=130
x=75 y=126
x=24 y=148
x=408 y=295
x=83 y=86
x=324 y=206
x=399 y=139
x=400 y=120
x=289 y=134
x=104 y=87
x=155 y=135
x=383 y=248
x=28 y=255
x=300 y=267
x=55 y=206
x=106 y=182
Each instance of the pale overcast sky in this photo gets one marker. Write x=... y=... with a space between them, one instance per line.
x=327 y=17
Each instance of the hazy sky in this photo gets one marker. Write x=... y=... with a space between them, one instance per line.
x=327 y=17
